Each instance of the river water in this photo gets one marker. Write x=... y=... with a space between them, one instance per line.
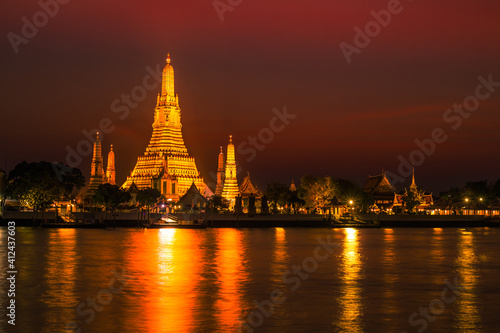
x=260 y=280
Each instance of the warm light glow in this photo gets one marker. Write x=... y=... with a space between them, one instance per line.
x=166 y=163
x=231 y=270
x=60 y=274
x=350 y=300
x=230 y=189
x=467 y=317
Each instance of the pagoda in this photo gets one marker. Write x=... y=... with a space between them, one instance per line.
x=110 y=169
x=166 y=164
x=97 y=176
x=230 y=190
x=220 y=174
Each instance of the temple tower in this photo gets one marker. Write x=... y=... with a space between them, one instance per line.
x=413 y=184
x=220 y=174
x=97 y=176
x=166 y=164
x=110 y=169
x=230 y=190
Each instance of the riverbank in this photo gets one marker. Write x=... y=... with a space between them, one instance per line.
x=261 y=221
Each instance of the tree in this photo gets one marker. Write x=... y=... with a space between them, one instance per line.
x=3 y=187
x=251 y=205
x=3 y=183
x=276 y=194
x=317 y=192
x=148 y=197
x=238 y=207
x=110 y=196
x=216 y=203
x=348 y=191
x=294 y=201
x=496 y=189
x=38 y=184
x=412 y=198
x=264 y=207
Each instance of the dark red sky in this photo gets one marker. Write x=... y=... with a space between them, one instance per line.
x=352 y=119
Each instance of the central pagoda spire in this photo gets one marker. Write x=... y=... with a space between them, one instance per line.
x=230 y=190
x=167 y=87
x=166 y=164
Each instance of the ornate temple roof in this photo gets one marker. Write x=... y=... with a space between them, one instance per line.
x=247 y=188
x=193 y=198
x=378 y=185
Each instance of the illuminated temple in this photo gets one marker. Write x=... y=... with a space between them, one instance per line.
x=166 y=164
x=230 y=189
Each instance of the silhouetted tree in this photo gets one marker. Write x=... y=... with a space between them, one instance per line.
x=148 y=197
x=276 y=194
x=216 y=203
x=238 y=205
x=264 y=207
x=251 y=205
x=38 y=184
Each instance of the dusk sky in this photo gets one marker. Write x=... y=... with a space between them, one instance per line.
x=352 y=119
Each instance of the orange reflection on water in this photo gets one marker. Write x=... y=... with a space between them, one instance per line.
x=280 y=253
x=168 y=262
x=231 y=272
x=350 y=269
x=60 y=275
x=437 y=254
x=178 y=270
x=467 y=316
x=390 y=307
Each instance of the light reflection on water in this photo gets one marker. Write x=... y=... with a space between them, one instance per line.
x=231 y=277
x=60 y=275
x=207 y=280
x=467 y=315
x=350 y=300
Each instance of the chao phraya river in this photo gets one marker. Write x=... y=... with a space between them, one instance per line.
x=260 y=280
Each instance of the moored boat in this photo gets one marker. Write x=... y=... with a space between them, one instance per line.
x=170 y=221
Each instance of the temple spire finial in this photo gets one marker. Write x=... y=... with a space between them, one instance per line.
x=168 y=58
x=413 y=177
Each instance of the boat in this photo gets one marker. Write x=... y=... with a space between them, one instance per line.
x=170 y=221
x=354 y=223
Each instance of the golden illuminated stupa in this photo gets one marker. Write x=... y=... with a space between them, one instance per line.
x=220 y=174
x=97 y=176
x=230 y=190
x=166 y=165
x=110 y=169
